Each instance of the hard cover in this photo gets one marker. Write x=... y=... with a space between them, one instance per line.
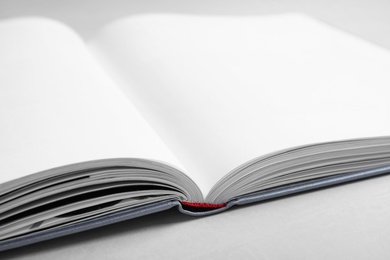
x=273 y=193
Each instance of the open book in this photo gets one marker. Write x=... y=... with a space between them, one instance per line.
x=195 y=112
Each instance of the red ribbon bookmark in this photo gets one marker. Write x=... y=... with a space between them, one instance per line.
x=203 y=205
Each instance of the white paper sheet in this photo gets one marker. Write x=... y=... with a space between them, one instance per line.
x=57 y=106
x=223 y=90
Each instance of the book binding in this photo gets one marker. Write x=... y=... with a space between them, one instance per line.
x=190 y=208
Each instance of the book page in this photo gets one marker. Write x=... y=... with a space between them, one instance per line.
x=57 y=106
x=224 y=90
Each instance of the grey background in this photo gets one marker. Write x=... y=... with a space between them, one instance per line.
x=369 y=19
x=348 y=221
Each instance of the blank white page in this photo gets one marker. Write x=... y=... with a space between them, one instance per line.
x=57 y=106
x=224 y=90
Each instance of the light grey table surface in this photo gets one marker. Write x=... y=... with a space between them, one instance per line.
x=343 y=222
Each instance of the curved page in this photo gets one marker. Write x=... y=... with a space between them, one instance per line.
x=224 y=90
x=57 y=106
